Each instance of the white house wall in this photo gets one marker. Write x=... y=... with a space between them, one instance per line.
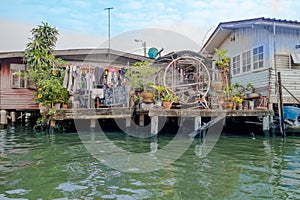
x=286 y=40
x=245 y=39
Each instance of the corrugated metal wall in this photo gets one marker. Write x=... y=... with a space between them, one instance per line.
x=260 y=80
x=290 y=78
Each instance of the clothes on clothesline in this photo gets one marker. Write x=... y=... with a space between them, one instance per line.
x=79 y=79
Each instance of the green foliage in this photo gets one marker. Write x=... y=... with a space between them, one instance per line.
x=237 y=90
x=169 y=97
x=161 y=90
x=40 y=61
x=51 y=91
x=222 y=59
x=38 y=54
x=44 y=68
x=140 y=75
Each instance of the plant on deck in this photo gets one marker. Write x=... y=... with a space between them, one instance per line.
x=40 y=62
x=140 y=76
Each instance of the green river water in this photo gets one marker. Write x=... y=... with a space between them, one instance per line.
x=58 y=166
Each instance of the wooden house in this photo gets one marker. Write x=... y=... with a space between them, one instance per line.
x=259 y=48
x=17 y=93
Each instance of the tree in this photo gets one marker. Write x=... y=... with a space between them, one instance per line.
x=44 y=69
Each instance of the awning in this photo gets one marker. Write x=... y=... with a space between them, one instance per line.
x=296 y=58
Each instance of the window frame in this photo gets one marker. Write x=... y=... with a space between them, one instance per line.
x=236 y=65
x=256 y=60
x=17 y=81
x=246 y=62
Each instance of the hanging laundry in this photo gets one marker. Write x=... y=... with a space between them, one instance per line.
x=90 y=80
x=70 y=79
x=76 y=76
x=99 y=76
x=66 y=77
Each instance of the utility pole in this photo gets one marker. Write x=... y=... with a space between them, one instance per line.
x=108 y=27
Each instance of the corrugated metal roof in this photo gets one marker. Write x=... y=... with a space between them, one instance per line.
x=19 y=54
x=225 y=28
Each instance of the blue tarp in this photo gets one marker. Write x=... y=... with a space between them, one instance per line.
x=291 y=112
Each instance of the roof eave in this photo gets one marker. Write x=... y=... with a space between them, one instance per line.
x=215 y=40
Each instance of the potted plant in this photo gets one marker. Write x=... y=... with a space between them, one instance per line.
x=235 y=93
x=168 y=99
x=159 y=89
x=228 y=92
x=140 y=77
x=222 y=64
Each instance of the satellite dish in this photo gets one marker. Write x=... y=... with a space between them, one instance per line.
x=152 y=53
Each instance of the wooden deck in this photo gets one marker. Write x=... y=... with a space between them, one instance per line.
x=208 y=113
x=93 y=113
x=197 y=114
x=154 y=114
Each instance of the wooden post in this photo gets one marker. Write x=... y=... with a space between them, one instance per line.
x=93 y=123
x=127 y=122
x=52 y=123
x=142 y=119
x=197 y=123
x=3 y=117
x=154 y=125
x=13 y=116
x=266 y=125
x=280 y=107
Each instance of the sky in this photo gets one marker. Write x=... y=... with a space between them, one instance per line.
x=172 y=25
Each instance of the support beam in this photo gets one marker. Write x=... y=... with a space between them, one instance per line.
x=266 y=125
x=280 y=107
x=3 y=117
x=128 y=122
x=93 y=123
x=142 y=119
x=13 y=116
x=197 y=123
x=154 y=125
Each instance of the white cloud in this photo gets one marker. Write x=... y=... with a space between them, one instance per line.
x=87 y=20
x=16 y=36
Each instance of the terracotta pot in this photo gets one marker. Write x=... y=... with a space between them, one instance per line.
x=65 y=106
x=228 y=105
x=147 y=97
x=167 y=105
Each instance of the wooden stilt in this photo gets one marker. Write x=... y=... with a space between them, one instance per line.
x=52 y=123
x=93 y=123
x=266 y=125
x=280 y=107
x=142 y=119
x=197 y=123
x=3 y=117
x=154 y=125
x=127 y=122
x=13 y=116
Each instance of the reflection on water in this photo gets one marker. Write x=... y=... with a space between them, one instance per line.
x=40 y=166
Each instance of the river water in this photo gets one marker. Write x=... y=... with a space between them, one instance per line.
x=58 y=166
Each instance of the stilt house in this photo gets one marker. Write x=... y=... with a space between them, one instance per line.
x=259 y=48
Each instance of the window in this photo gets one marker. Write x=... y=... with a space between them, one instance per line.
x=15 y=79
x=236 y=69
x=258 y=58
x=246 y=61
